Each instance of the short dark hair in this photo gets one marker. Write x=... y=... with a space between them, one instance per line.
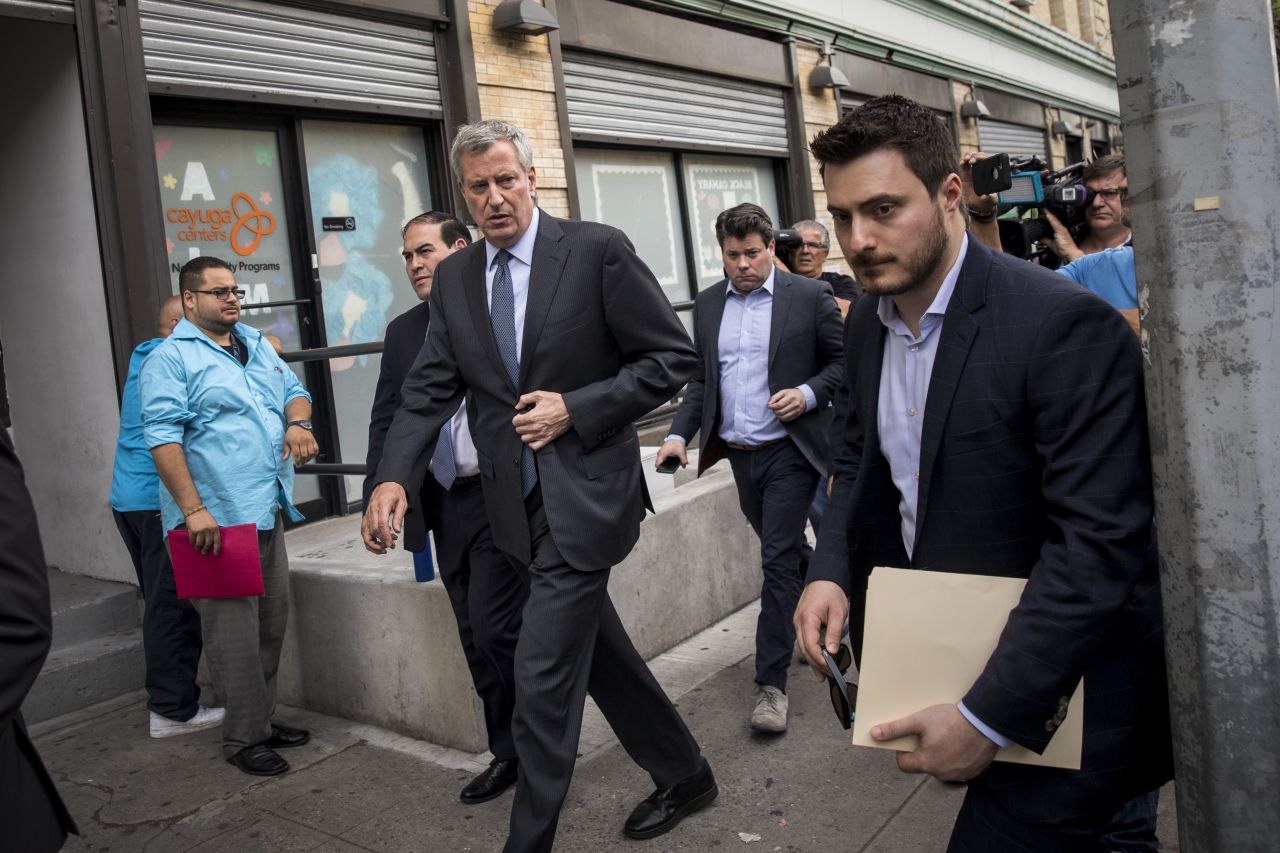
x=451 y=230
x=1104 y=166
x=892 y=121
x=742 y=221
x=192 y=273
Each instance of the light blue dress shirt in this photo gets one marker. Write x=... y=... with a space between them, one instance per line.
x=520 y=265
x=904 y=389
x=743 y=345
x=229 y=420
x=135 y=486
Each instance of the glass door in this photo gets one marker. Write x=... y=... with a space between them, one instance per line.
x=309 y=212
x=364 y=181
x=224 y=193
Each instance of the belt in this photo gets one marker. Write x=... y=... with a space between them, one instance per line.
x=760 y=446
x=463 y=482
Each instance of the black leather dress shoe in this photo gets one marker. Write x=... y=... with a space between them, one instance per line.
x=259 y=760
x=283 y=737
x=666 y=807
x=497 y=777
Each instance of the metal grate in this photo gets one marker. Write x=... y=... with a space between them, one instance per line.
x=627 y=101
x=270 y=50
x=998 y=137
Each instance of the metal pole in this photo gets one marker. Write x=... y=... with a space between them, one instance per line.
x=1200 y=107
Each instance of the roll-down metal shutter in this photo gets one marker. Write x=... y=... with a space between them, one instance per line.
x=998 y=137
x=623 y=100
x=249 y=46
x=38 y=9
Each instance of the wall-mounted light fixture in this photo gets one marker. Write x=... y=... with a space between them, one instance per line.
x=523 y=17
x=1059 y=128
x=827 y=76
x=1024 y=5
x=972 y=108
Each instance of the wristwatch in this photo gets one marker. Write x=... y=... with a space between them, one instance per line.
x=304 y=424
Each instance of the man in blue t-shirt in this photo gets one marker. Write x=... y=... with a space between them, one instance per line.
x=170 y=627
x=1109 y=274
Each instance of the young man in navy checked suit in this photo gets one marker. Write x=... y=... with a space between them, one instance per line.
x=996 y=425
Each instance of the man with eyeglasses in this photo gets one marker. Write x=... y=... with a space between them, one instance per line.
x=170 y=626
x=1107 y=214
x=227 y=421
x=807 y=260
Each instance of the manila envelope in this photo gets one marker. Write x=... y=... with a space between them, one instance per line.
x=927 y=638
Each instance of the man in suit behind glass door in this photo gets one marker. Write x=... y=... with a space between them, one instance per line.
x=995 y=426
x=486 y=587
x=560 y=338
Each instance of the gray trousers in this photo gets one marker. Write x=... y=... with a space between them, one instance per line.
x=242 y=640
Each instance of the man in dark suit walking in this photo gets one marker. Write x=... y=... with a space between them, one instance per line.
x=486 y=587
x=996 y=426
x=32 y=816
x=559 y=338
x=769 y=349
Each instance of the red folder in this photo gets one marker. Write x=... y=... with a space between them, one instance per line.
x=235 y=573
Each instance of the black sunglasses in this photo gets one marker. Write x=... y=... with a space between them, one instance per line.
x=844 y=692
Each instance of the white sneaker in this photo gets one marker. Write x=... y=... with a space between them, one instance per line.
x=770 y=713
x=205 y=718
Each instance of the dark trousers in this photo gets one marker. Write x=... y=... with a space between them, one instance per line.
x=170 y=626
x=243 y=638
x=487 y=589
x=775 y=489
x=1133 y=827
x=572 y=643
x=983 y=826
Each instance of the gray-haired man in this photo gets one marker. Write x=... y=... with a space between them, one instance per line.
x=562 y=338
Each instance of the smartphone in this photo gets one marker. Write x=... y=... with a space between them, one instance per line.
x=669 y=465
x=992 y=175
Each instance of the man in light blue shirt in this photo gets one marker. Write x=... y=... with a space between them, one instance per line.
x=170 y=626
x=226 y=422
x=769 y=354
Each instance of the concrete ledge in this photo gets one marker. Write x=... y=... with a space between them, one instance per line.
x=367 y=643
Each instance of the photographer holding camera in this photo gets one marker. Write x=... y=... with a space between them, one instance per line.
x=1103 y=261
x=1107 y=215
x=803 y=248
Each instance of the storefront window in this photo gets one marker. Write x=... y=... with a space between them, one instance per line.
x=713 y=184
x=365 y=181
x=639 y=192
x=223 y=195
x=636 y=192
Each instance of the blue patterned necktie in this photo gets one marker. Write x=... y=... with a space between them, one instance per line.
x=502 y=319
x=443 y=465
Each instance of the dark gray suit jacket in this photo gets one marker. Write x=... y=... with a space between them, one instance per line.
x=1034 y=464
x=804 y=348
x=599 y=331
x=32 y=816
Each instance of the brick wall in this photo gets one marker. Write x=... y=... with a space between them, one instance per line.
x=820 y=112
x=516 y=84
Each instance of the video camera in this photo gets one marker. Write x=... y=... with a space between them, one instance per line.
x=1029 y=184
x=786 y=242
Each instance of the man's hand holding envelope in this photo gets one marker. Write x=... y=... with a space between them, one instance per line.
x=927 y=637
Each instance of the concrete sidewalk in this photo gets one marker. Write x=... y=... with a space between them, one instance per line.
x=357 y=787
